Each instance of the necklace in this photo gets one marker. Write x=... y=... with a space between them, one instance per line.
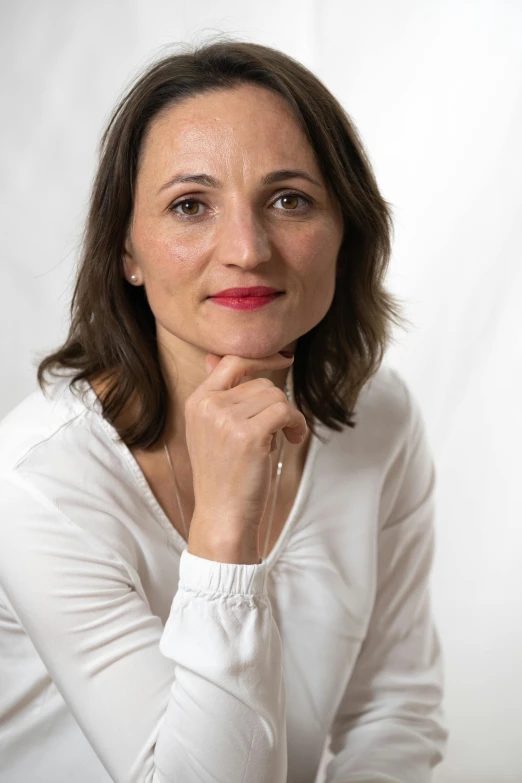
x=278 y=477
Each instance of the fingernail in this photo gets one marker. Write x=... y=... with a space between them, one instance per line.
x=287 y=354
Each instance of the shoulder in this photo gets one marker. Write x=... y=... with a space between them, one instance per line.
x=387 y=391
x=59 y=445
x=62 y=469
x=381 y=435
x=39 y=420
x=34 y=420
x=393 y=415
x=384 y=410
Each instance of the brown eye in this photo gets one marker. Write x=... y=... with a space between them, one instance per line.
x=291 y=202
x=184 y=203
x=290 y=199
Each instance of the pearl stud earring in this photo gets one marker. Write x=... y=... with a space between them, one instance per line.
x=134 y=278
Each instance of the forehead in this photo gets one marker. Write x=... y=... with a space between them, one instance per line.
x=247 y=124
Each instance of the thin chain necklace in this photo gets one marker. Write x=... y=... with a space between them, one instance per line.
x=278 y=477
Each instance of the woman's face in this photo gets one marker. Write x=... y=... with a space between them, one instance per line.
x=189 y=240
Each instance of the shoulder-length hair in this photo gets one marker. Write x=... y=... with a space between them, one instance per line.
x=112 y=330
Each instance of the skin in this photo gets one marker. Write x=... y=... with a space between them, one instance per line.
x=242 y=233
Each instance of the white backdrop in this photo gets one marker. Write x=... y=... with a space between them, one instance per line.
x=435 y=89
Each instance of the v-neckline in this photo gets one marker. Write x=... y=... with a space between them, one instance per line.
x=175 y=537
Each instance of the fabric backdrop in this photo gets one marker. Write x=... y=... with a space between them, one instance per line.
x=435 y=89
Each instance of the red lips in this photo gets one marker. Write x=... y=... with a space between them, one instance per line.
x=259 y=290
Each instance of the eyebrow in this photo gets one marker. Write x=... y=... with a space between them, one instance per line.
x=212 y=182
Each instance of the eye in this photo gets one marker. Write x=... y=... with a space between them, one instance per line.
x=292 y=197
x=182 y=203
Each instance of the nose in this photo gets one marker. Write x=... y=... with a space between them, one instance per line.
x=242 y=238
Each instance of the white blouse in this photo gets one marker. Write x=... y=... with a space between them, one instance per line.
x=124 y=657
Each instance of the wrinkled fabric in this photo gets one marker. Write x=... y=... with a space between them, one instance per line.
x=123 y=657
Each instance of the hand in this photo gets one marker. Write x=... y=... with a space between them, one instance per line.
x=231 y=431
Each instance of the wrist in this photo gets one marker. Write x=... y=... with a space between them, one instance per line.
x=224 y=554
x=201 y=543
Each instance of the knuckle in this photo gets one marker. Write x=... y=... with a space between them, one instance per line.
x=219 y=419
x=197 y=404
x=207 y=405
x=281 y=407
x=278 y=394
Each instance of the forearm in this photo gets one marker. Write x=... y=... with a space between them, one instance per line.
x=227 y=714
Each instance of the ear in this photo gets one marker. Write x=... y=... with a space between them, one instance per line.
x=129 y=264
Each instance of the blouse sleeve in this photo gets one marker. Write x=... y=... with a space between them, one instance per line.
x=199 y=700
x=389 y=727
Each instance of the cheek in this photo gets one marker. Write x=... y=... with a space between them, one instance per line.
x=315 y=257
x=312 y=253
x=169 y=261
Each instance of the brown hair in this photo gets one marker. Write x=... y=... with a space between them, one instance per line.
x=112 y=331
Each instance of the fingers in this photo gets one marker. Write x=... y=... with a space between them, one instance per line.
x=230 y=370
x=252 y=400
x=281 y=416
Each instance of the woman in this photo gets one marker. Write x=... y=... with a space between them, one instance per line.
x=214 y=559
